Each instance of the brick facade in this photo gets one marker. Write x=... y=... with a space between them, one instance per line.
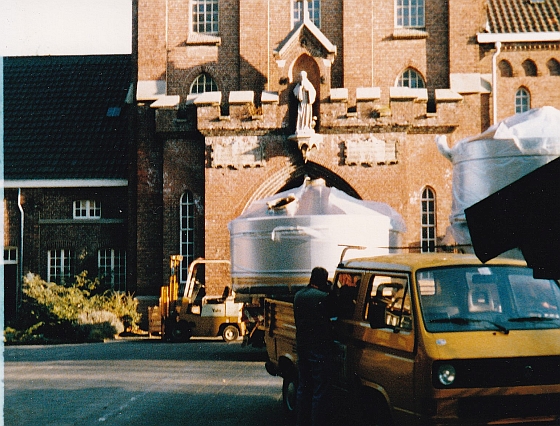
x=358 y=51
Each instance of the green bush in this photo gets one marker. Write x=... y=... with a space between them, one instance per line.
x=80 y=312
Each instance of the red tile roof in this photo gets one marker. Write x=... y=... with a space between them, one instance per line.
x=522 y=16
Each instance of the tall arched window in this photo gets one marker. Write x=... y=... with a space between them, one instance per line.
x=428 y=232
x=530 y=68
x=522 y=100
x=187 y=232
x=411 y=78
x=203 y=83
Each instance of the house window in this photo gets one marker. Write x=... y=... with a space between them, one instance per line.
x=60 y=266
x=111 y=265
x=203 y=83
x=428 y=238
x=522 y=100
x=205 y=16
x=410 y=13
x=187 y=232
x=313 y=7
x=411 y=78
x=87 y=209
x=10 y=255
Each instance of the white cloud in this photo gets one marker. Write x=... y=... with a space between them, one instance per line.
x=65 y=27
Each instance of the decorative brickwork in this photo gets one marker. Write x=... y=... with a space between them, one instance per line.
x=374 y=140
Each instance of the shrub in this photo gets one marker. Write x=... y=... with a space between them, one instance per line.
x=80 y=312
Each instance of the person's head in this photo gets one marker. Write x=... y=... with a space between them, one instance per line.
x=319 y=278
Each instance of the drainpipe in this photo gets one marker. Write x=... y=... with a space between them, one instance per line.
x=495 y=81
x=22 y=222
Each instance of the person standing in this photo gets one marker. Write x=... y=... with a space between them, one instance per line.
x=315 y=347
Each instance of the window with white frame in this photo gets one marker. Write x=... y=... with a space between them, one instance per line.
x=313 y=8
x=204 y=16
x=60 y=266
x=10 y=255
x=187 y=232
x=410 y=13
x=522 y=100
x=428 y=237
x=411 y=78
x=111 y=264
x=87 y=209
x=203 y=83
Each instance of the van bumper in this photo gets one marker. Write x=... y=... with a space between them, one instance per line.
x=498 y=409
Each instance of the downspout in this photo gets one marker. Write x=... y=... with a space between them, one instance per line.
x=22 y=222
x=495 y=82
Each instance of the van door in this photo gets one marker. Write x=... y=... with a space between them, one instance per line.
x=382 y=352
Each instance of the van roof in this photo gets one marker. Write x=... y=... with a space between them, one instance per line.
x=412 y=261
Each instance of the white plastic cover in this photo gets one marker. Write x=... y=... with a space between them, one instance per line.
x=278 y=240
x=502 y=154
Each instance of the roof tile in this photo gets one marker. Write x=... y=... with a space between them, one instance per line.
x=522 y=16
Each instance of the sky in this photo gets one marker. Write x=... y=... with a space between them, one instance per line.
x=65 y=27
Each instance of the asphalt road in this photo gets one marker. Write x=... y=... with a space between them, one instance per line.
x=140 y=382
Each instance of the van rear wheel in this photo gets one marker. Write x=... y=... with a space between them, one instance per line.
x=289 y=392
x=230 y=333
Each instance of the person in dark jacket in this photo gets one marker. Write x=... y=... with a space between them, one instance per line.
x=313 y=310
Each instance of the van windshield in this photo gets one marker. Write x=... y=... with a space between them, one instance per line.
x=487 y=297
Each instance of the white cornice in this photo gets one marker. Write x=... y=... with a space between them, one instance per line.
x=518 y=37
x=64 y=183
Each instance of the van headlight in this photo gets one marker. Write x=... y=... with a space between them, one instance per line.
x=446 y=374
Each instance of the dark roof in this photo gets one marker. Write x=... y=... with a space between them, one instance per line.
x=522 y=16
x=65 y=117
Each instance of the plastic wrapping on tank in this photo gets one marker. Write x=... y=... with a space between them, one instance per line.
x=502 y=154
x=278 y=240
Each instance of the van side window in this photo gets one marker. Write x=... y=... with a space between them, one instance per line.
x=346 y=287
x=388 y=303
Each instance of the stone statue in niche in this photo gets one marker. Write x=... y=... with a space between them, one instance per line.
x=305 y=94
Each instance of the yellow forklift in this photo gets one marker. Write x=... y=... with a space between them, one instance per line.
x=193 y=313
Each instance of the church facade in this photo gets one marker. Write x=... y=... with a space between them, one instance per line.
x=217 y=123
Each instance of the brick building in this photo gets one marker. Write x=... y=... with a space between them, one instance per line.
x=65 y=186
x=216 y=108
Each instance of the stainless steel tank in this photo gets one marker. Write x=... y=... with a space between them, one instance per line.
x=278 y=240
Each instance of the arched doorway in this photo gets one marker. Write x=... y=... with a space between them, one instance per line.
x=308 y=64
x=293 y=177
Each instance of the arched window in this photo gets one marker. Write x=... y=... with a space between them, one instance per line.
x=428 y=231
x=530 y=68
x=553 y=67
x=203 y=83
x=505 y=68
x=522 y=100
x=411 y=78
x=187 y=232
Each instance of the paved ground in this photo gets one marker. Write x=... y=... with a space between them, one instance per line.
x=140 y=382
